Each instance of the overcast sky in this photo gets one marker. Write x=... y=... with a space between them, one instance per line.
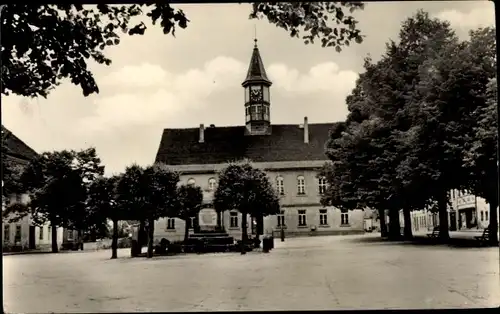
x=157 y=81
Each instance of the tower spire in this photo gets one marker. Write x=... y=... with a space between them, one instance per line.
x=256 y=71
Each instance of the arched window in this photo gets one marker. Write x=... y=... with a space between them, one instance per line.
x=280 y=185
x=191 y=181
x=211 y=184
x=301 y=185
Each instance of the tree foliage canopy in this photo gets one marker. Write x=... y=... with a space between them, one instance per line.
x=247 y=189
x=190 y=198
x=148 y=193
x=57 y=183
x=419 y=123
x=41 y=45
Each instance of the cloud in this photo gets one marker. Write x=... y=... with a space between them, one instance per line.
x=324 y=77
x=481 y=16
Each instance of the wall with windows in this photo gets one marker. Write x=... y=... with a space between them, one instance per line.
x=297 y=186
x=299 y=190
x=17 y=233
x=461 y=200
x=311 y=220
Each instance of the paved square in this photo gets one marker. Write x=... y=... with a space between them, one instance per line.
x=313 y=273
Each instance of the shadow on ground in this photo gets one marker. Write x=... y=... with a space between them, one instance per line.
x=424 y=241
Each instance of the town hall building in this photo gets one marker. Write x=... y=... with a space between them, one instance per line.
x=291 y=154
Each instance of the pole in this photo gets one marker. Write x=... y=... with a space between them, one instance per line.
x=497 y=24
x=475 y=205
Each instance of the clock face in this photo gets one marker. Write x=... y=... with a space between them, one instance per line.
x=256 y=94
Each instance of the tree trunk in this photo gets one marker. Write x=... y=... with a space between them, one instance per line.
x=383 y=226
x=260 y=224
x=186 y=230
x=394 y=225
x=223 y=228
x=444 y=233
x=407 y=229
x=493 y=226
x=93 y=235
x=244 y=233
x=140 y=235
x=151 y=231
x=114 y=243
x=55 y=248
x=219 y=220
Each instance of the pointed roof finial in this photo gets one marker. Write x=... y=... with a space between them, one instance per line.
x=255 y=35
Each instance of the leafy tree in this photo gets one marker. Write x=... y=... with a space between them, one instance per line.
x=43 y=44
x=103 y=204
x=149 y=193
x=481 y=158
x=190 y=199
x=389 y=166
x=453 y=90
x=56 y=184
x=247 y=189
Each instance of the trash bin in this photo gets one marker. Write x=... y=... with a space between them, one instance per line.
x=271 y=242
x=267 y=244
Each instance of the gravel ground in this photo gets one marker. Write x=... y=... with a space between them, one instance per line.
x=315 y=273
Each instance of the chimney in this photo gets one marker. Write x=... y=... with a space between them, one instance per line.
x=202 y=134
x=306 y=131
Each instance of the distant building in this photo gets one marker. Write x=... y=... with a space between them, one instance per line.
x=22 y=233
x=291 y=154
x=465 y=212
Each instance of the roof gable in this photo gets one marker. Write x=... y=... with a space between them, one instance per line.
x=15 y=147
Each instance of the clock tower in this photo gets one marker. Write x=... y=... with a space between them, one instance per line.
x=257 y=96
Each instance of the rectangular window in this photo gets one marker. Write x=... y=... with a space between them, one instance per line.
x=17 y=238
x=322 y=185
x=323 y=217
x=344 y=218
x=233 y=222
x=171 y=223
x=40 y=235
x=482 y=216
x=281 y=219
x=280 y=186
x=6 y=233
x=301 y=185
x=486 y=215
x=302 y=218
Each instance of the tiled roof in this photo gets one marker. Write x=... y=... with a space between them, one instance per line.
x=15 y=147
x=224 y=144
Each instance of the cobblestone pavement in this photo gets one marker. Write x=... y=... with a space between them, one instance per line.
x=301 y=273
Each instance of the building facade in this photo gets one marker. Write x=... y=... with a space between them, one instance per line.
x=22 y=233
x=465 y=212
x=290 y=154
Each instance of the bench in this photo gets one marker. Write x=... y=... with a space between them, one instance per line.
x=434 y=233
x=484 y=237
